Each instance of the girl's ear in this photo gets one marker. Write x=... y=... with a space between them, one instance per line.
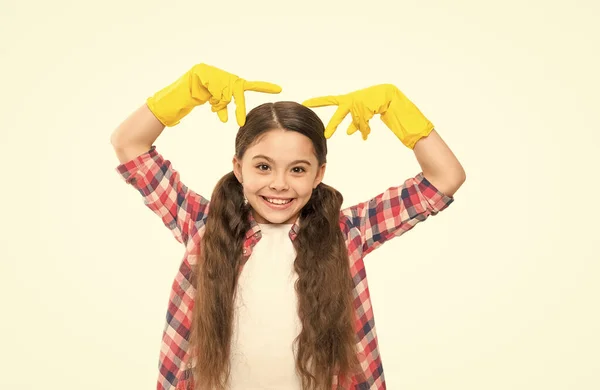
x=237 y=169
x=320 y=175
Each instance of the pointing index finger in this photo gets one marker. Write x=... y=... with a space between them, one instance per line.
x=322 y=101
x=261 y=86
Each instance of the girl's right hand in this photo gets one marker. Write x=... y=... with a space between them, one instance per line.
x=204 y=83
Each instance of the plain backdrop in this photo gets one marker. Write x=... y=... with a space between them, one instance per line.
x=499 y=291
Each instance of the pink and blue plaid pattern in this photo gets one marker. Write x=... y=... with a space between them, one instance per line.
x=366 y=226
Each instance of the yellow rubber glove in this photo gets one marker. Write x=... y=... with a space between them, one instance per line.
x=396 y=111
x=204 y=83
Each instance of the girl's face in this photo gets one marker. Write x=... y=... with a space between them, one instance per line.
x=278 y=175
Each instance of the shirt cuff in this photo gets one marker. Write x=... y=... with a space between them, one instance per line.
x=129 y=169
x=437 y=200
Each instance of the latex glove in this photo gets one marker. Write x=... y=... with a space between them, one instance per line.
x=204 y=83
x=396 y=111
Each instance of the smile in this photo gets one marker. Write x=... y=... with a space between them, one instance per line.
x=277 y=203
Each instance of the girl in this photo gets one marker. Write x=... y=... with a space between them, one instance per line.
x=299 y=315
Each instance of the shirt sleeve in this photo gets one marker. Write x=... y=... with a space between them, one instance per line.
x=164 y=193
x=395 y=211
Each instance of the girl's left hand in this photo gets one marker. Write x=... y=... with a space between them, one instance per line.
x=396 y=110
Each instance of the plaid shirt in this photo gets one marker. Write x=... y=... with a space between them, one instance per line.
x=366 y=226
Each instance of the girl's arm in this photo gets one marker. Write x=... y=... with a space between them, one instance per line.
x=399 y=209
x=136 y=134
x=153 y=177
x=438 y=163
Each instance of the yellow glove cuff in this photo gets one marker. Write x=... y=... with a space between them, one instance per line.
x=175 y=101
x=405 y=120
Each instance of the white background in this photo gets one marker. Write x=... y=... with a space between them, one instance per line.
x=499 y=291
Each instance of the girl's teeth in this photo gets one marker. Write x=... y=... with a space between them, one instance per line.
x=277 y=201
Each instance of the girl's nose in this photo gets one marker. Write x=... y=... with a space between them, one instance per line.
x=279 y=183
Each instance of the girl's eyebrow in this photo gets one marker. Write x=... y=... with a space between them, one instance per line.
x=259 y=156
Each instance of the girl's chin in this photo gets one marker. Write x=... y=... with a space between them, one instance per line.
x=274 y=219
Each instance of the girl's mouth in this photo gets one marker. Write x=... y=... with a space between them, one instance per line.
x=278 y=204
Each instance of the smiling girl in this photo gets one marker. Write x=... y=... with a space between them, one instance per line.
x=272 y=291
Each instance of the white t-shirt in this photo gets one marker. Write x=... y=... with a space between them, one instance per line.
x=266 y=318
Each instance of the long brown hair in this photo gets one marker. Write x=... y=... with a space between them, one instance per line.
x=326 y=344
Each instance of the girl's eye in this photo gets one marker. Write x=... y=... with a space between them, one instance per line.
x=265 y=167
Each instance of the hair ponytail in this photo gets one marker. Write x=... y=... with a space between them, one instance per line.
x=216 y=279
x=324 y=288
